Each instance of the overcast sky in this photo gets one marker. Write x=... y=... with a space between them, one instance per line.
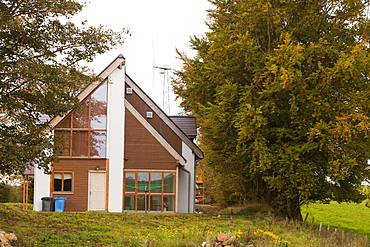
x=157 y=28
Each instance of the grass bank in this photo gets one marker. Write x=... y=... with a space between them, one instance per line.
x=350 y=217
x=140 y=229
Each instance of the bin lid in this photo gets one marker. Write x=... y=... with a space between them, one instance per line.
x=60 y=198
x=47 y=198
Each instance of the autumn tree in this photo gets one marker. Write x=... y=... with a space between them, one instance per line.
x=40 y=75
x=281 y=91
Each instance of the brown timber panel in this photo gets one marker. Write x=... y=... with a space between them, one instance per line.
x=78 y=201
x=143 y=150
x=156 y=121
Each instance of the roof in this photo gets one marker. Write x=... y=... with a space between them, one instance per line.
x=187 y=124
x=165 y=118
x=118 y=63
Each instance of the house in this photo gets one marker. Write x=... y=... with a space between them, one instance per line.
x=121 y=152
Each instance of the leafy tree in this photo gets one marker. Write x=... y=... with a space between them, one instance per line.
x=281 y=91
x=40 y=51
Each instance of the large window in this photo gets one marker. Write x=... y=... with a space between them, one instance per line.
x=62 y=181
x=83 y=132
x=149 y=191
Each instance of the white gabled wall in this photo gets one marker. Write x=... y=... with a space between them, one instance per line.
x=186 y=196
x=115 y=138
x=42 y=189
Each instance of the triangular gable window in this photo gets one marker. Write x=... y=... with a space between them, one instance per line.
x=83 y=132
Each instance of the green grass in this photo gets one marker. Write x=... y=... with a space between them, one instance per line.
x=350 y=217
x=151 y=229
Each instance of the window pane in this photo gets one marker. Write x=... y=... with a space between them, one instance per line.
x=81 y=115
x=65 y=124
x=67 y=182
x=169 y=183
x=79 y=143
x=130 y=202
x=156 y=203
x=57 y=181
x=143 y=179
x=156 y=182
x=99 y=108
x=130 y=182
x=61 y=138
x=169 y=203
x=142 y=202
x=98 y=143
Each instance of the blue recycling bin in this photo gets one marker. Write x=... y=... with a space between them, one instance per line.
x=59 y=204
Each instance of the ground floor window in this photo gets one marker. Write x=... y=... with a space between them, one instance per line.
x=149 y=191
x=62 y=181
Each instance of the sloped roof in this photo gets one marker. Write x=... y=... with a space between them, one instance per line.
x=119 y=62
x=165 y=118
x=187 y=124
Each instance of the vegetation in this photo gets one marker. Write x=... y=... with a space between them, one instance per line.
x=280 y=91
x=13 y=192
x=346 y=216
x=140 y=229
x=40 y=51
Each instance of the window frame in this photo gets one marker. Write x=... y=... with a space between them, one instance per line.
x=62 y=185
x=70 y=130
x=136 y=192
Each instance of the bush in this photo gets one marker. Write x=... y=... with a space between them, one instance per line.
x=5 y=193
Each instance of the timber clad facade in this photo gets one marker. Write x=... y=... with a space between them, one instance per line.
x=120 y=152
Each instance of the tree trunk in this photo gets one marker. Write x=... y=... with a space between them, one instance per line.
x=287 y=207
x=293 y=209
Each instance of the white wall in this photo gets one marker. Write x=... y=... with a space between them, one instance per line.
x=183 y=192
x=115 y=138
x=42 y=189
x=186 y=198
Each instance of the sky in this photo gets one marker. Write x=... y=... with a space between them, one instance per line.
x=157 y=29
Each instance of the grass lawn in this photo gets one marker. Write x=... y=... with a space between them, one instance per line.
x=155 y=229
x=346 y=216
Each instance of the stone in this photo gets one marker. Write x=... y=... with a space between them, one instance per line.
x=229 y=241
x=222 y=237
x=5 y=238
x=209 y=242
x=11 y=236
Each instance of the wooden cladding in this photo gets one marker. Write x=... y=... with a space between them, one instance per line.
x=142 y=150
x=155 y=121
x=78 y=199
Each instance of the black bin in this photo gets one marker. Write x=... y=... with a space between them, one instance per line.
x=47 y=204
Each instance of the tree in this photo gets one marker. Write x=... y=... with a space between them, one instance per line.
x=281 y=90
x=40 y=52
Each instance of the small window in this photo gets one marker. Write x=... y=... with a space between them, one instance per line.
x=62 y=182
x=149 y=114
x=128 y=90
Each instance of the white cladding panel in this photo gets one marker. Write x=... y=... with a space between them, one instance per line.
x=42 y=189
x=186 y=197
x=115 y=138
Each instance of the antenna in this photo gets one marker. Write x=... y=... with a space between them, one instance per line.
x=166 y=85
